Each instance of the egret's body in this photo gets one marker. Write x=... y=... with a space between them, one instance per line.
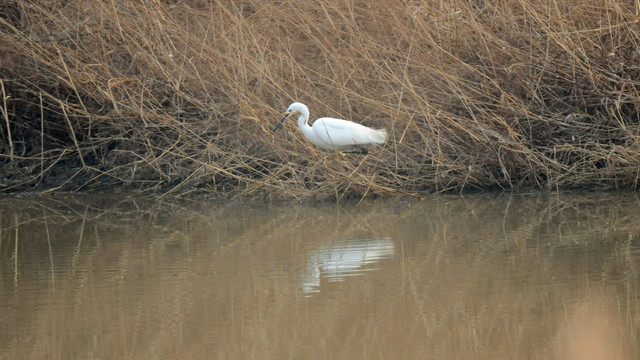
x=334 y=134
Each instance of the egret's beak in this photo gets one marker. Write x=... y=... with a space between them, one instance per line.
x=282 y=120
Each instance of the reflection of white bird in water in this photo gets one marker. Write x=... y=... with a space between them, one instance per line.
x=334 y=134
x=340 y=260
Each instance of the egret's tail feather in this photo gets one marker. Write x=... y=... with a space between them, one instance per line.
x=378 y=136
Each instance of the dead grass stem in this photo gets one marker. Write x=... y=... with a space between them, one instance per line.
x=148 y=95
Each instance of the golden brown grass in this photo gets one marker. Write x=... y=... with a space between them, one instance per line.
x=175 y=96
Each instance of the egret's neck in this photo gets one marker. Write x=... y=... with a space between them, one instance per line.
x=303 y=121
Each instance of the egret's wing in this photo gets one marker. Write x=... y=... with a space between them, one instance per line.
x=338 y=133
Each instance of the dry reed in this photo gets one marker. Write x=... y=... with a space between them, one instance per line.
x=175 y=96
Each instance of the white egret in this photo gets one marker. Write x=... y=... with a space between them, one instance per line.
x=334 y=134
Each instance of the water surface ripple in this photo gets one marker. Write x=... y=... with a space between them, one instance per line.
x=446 y=277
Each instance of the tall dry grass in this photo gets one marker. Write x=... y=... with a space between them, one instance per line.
x=176 y=96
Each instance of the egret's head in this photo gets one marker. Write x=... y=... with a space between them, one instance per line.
x=295 y=108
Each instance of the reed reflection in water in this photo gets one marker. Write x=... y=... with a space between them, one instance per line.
x=448 y=277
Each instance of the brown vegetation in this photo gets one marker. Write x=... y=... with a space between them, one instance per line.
x=179 y=95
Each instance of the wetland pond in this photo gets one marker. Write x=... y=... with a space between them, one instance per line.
x=487 y=276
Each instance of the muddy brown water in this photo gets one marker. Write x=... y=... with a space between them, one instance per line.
x=445 y=277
